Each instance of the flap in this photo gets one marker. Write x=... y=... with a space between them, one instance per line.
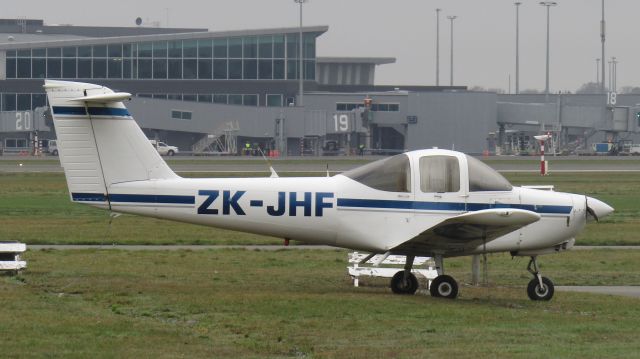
x=467 y=231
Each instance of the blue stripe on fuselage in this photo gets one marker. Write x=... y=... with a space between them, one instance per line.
x=89 y=197
x=151 y=198
x=93 y=111
x=134 y=198
x=446 y=206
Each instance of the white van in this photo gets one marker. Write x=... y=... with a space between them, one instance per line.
x=164 y=149
x=52 y=148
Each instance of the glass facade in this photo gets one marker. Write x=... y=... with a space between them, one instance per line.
x=376 y=107
x=22 y=101
x=29 y=101
x=224 y=99
x=265 y=57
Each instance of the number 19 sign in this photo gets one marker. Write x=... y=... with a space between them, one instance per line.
x=341 y=122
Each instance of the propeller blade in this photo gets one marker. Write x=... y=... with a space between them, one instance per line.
x=592 y=213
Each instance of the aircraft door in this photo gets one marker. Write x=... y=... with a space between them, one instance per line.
x=438 y=187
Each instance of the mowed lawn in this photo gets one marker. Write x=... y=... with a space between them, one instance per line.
x=35 y=208
x=301 y=303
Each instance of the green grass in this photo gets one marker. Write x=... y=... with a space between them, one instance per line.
x=235 y=303
x=35 y=208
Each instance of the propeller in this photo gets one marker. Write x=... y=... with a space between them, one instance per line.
x=597 y=209
x=589 y=212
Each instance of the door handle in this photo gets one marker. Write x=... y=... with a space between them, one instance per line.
x=404 y=196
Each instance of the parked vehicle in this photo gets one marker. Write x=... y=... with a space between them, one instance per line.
x=52 y=148
x=164 y=149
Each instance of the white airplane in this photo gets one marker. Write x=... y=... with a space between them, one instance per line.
x=434 y=202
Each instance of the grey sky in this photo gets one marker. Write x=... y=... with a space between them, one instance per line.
x=484 y=33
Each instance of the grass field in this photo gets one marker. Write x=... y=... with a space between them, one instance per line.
x=35 y=208
x=236 y=303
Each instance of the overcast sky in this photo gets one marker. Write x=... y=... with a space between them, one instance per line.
x=484 y=33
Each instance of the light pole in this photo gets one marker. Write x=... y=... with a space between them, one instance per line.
x=453 y=17
x=598 y=72
x=548 y=4
x=614 y=74
x=610 y=77
x=602 y=38
x=438 y=47
x=301 y=56
x=517 y=4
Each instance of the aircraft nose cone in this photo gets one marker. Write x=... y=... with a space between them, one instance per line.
x=598 y=207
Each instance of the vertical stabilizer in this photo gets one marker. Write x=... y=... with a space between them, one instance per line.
x=99 y=143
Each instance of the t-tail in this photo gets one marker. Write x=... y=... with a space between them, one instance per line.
x=99 y=142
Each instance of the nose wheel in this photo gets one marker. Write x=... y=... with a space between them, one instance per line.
x=539 y=288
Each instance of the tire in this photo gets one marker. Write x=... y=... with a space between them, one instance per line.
x=54 y=153
x=444 y=286
x=536 y=293
x=399 y=287
x=170 y=153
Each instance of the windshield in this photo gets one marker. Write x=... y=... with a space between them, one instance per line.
x=484 y=178
x=391 y=174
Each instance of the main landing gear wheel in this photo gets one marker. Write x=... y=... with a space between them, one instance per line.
x=401 y=286
x=540 y=292
x=539 y=288
x=444 y=286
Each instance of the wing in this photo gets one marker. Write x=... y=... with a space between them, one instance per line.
x=467 y=231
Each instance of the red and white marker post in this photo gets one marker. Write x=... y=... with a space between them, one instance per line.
x=543 y=163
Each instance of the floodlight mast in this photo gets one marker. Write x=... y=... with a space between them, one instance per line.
x=438 y=46
x=602 y=39
x=451 y=18
x=517 y=4
x=300 y=56
x=548 y=4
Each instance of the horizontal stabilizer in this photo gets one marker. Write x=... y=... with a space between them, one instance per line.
x=468 y=230
x=105 y=98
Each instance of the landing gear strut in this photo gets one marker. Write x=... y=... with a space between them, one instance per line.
x=539 y=288
x=443 y=286
x=405 y=282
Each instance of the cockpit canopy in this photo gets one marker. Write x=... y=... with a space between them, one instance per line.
x=483 y=178
x=392 y=174
x=437 y=173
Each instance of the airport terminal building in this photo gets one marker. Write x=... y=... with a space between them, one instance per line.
x=233 y=92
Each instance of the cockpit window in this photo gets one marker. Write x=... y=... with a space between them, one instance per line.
x=391 y=174
x=483 y=178
x=439 y=174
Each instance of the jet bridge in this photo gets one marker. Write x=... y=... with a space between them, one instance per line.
x=575 y=121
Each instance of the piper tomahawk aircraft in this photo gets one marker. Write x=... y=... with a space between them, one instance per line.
x=434 y=202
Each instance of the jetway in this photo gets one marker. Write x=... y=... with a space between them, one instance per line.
x=574 y=121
